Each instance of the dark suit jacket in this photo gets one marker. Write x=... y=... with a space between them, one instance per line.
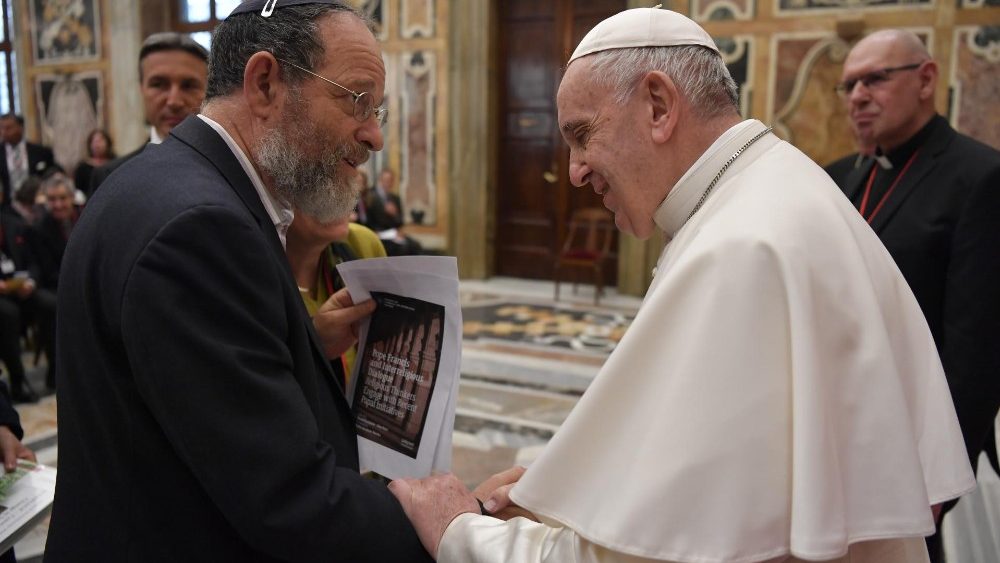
x=47 y=244
x=101 y=173
x=942 y=227
x=40 y=159
x=842 y=168
x=16 y=241
x=199 y=419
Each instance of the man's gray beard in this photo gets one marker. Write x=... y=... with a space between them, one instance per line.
x=312 y=186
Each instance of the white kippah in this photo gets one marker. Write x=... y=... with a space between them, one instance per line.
x=643 y=27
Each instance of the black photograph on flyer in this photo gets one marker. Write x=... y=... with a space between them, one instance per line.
x=398 y=371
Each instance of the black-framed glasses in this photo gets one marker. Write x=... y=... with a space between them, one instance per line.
x=364 y=104
x=872 y=79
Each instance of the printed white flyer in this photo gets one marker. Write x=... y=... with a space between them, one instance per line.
x=404 y=385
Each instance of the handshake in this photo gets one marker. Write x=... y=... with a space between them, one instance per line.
x=432 y=503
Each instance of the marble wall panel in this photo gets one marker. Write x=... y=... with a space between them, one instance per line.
x=978 y=3
x=975 y=82
x=416 y=18
x=801 y=7
x=375 y=9
x=803 y=108
x=719 y=10
x=737 y=51
x=417 y=178
x=390 y=130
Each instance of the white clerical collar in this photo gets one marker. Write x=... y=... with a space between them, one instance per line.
x=280 y=213
x=154 y=136
x=883 y=161
x=671 y=215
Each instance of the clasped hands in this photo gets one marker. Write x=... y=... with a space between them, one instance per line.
x=432 y=503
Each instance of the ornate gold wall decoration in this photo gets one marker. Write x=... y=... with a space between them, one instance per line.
x=718 y=10
x=417 y=184
x=737 y=52
x=802 y=7
x=804 y=109
x=416 y=19
x=975 y=80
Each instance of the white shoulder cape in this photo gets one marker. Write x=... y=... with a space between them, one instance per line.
x=778 y=392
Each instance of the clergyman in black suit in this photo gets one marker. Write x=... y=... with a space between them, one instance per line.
x=200 y=418
x=933 y=197
x=21 y=159
x=172 y=71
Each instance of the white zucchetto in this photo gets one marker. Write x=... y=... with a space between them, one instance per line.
x=643 y=27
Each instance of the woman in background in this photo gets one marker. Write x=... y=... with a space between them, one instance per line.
x=100 y=150
x=314 y=249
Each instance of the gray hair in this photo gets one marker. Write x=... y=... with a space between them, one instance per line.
x=700 y=74
x=57 y=180
x=291 y=33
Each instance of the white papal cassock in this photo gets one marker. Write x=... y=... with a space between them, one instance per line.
x=777 y=396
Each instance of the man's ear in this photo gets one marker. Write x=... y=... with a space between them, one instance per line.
x=261 y=84
x=661 y=94
x=928 y=80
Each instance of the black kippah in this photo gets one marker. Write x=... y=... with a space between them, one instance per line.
x=265 y=7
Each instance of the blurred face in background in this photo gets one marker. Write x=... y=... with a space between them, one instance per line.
x=99 y=145
x=387 y=180
x=11 y=131
x=173 y=87
x=59 y=202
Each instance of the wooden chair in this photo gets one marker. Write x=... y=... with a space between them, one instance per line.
x=588 y=242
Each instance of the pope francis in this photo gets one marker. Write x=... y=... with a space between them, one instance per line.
x=778 y=396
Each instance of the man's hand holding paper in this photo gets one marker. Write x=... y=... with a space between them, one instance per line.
x=337 y=321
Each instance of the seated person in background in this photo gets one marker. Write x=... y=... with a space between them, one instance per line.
x=360 y=213
x=26 y=200
x=47 y=241
x=314 y=249
x=17 y=299
x=384 y=211
x=100 y=151
x=11 y=447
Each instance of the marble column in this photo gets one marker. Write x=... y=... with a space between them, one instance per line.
x=127 y=119
x=470 y=159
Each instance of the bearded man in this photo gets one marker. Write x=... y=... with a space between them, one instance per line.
x=199 y=416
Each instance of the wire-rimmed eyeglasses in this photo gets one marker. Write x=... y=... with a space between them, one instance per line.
x=364 y=104
x=872 y=79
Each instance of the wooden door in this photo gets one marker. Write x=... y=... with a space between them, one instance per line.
x=534 y=196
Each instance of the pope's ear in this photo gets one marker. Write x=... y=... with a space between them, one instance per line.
x=663 y=99
x=261 y=84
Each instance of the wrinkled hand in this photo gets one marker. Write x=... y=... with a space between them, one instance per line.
x=13 y=449
x=495 y=495
x=336 y=322
x=431 y=504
